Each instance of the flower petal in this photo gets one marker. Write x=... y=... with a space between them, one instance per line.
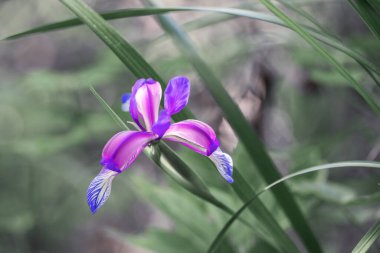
x=99 y=189
x=177 y=94
x=145 y=102
x=132 y=103
x=194 y=134
x=125 y=101
x=223 y=163
x=123 y=148
x=162 y=124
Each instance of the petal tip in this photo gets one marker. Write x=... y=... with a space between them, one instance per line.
x=99 y=189
x=230 y=180
x=224 y=164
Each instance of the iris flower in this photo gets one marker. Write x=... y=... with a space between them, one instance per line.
x=143 y=104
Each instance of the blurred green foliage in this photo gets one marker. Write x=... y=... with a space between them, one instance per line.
x=52 y=131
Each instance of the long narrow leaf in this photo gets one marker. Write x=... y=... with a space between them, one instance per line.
x=368 y=239
x=247 y=136
x=332 y=42
x=214 y=245
x=369 y=14
x=312 y=42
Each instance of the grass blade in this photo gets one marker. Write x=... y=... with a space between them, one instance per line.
x=328 y=40
x=111 y=112
x=368 y=239
x=246 y=135
x=312 y=42
x=369 y=14
x=371 y=237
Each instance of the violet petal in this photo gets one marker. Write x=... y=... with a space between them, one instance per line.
x=162 y=124
x=146 y=100
x=132 y=103
x=194 y=134
x=123 y=148
x=177 y=94
x=223 y=163
x=100 y=189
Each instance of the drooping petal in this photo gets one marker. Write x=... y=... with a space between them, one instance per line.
x=99 y=189
x=194 y=134
x=162 y=124
x=223 y=163
x=145 y=102
x=123 y=148
x=177 y=94
x=125 y=101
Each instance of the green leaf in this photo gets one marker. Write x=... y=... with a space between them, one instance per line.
x=370 y=13
x=215 y=244
x=312 y=42
x=328 y=40
x=368 y=239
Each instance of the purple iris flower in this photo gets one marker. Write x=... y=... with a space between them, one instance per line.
x=143 y=104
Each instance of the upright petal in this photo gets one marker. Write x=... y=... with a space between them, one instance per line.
x=100 y=189
x=177 y=94
x=194 y=134
x=223 y=163
x=162 y=124
x=132 y=103
x=123 y=148
x=145 y=102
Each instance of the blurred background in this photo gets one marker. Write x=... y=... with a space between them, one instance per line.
x=52 y=129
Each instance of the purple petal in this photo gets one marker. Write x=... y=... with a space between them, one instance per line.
x=99 y=189
x=223 y=163
x=125 y=101
x=162 y=124
x=132 y=103
x=145 y=102
x=123 y=148
x=177 y=94
x=194 y=134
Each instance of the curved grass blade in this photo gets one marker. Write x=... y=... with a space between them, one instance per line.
x=246 y=135
x=330 y=41
x=214 y=245
x=369 y=14
x=368 y=239
x=312 y=42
